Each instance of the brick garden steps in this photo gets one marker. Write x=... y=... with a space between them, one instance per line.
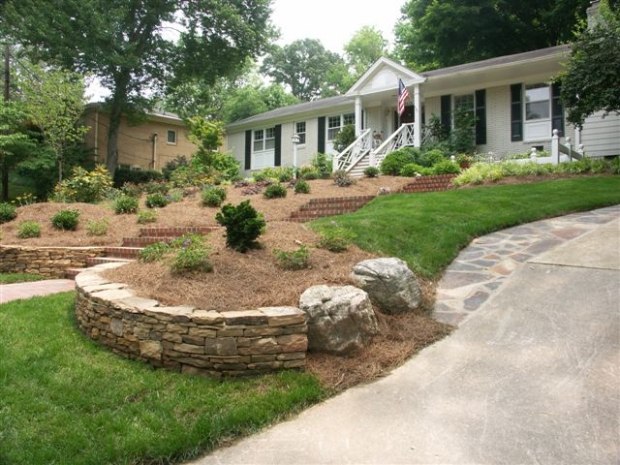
x=102 y=260
x=176 y=232
x=436 y=183
x=318 y=208
x=122 y=252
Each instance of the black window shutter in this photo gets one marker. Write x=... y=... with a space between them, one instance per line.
x=248 y=149
x=446 y=112
x=516 y=112
x=321 y=144
x=277 y=159
x=481 y=117
x=557 y=110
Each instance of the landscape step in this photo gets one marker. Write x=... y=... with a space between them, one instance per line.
x=176 y=232
x=100 y=260
x=122 y=252
x=71 y=273
x=139 y=242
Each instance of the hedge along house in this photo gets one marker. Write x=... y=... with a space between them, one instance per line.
x=512 y=97
x=149 y=144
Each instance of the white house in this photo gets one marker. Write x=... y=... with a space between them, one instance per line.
x=515 y=104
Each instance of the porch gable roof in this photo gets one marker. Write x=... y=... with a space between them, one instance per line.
x=383 y=75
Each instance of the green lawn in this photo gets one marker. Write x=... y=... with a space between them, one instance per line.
x=64 y=400
x=428 y=230
x=10 y=278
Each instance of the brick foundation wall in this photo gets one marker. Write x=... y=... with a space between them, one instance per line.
x=187 y=339
x=45 y=261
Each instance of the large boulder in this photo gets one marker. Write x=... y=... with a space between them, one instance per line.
x=391 y=285
x=341 y=319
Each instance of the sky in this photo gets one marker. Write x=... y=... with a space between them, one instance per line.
x=333 y=22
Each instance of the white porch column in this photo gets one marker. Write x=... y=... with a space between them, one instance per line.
x=358 y=116
x=417 y=108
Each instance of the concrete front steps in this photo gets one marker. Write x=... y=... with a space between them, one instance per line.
x=132 y=246
x=435 y=183
x=330 y=206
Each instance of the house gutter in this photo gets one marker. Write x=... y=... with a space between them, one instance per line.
x=96 y=135
x=154 y=155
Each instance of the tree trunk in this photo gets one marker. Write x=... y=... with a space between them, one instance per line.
x=7 y=96
x=117 y=105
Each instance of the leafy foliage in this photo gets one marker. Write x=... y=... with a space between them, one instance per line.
x=8 y=212
x=124 y=204
x=342 y=178
x=128 y=175
x=394 y=162
x=154 y=252
x=414 y=169
x=302 y=187
x=335 y=238
x=365 y=47
x=344 y=138
x=371 y=172
x=243 y=225
x=97 y=227
x=147 y=216
x=66 y=219
x=191 y=253
x=84 y=186
x=590 y=81
x=446 y=167
x=323 y=165
x=156 y=200
x=275 y=191
x=213 y=196
x=294 y=260
x=28 y=229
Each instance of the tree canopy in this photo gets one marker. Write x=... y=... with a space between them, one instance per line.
x=591 y=81
x=365 y=47
x=434 y=34
x=128 y=45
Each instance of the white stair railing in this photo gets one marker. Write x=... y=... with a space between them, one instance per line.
x=402 y=137
x=557 y=148
x=359 y=148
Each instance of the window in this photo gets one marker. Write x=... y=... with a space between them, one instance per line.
x=336 y=123
x=537 y=119
x=300 y=131
x=171 y=136
x=264 y=139
x=464 y=102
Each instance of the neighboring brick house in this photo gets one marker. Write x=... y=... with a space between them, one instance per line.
x=147 y=145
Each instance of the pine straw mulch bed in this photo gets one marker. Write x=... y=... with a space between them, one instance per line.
x=252 y=280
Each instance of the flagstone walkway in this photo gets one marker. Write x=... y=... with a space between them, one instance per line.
x=484 y=265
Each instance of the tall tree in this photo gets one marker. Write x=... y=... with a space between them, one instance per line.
x=127 y=43
x=303 y=66
x=365 y=47
x=251 y=100
x=591 y=80
x=54 y=101
x=433 y=34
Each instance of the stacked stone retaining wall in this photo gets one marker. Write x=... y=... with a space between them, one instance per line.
x=187 y=339
x=45 y=261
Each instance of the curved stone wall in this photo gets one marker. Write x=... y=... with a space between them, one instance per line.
x=187 y=339
x=45 y=261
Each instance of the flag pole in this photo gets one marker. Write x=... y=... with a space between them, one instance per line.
x=397 y=97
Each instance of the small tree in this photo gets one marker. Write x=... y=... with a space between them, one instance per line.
x=15 y=143
x=54 y=100
x=344 y=138
x=591 y=81
x=243 y=226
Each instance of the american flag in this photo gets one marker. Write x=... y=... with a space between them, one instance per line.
x=403 y=95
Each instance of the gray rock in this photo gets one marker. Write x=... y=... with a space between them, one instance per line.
x=391 y=285
x=341 y=319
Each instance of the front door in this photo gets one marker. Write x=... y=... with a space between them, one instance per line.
x=408 y=116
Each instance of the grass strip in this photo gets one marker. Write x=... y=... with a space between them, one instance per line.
x=11 y=278
x=63 y=399
x=428 y=230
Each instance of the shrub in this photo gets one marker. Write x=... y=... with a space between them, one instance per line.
x=413 y=169
x=432 y=157
x=344 y=137
x=125 y=204
x=323 y=165
x=274 y=191
x=28 y=229
x=175 y=195
x=156 y=200
x=243 y=225
x=278 y=173
x=66 y=220
x=97 y=227
x=84 y=186
x=342 y=178
x=446 y=167
x=131 y=189
x=335 y=239
x=213 y=196
x=135 y=176
x=154 y=252
x=192 y=254
x=295 y=260
x=302 y=187
x=371 y=172
x=147 y=216
x=172 y=165
x=156 y=187
x=394 y=161
x=8 y=212
x=309 y=173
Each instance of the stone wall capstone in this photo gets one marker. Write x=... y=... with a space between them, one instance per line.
x=188 y=339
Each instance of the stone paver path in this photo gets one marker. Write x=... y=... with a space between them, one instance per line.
x=16 y=291
x=482 y=267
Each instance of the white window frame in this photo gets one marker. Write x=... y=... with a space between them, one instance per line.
x=267 y=140
x=175 y=137
x=457 y=101
x=301 y=133
x=535 y=127
x=344 y=119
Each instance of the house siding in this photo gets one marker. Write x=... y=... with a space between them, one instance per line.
x=601 y=135
x=135 y=143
